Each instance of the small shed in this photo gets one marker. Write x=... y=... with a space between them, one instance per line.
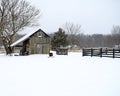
x=36 y=42
x=62 y=51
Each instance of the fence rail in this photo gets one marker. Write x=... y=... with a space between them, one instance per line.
x=101 y=52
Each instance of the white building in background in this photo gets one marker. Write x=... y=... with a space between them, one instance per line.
x=117 y=46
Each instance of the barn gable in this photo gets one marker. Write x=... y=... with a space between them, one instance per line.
x=37 y=42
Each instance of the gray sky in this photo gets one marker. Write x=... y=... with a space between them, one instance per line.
x=95 y=16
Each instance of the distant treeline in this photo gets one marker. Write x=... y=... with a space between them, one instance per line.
x=94 y=40
x=98 y=40
x=75 y=36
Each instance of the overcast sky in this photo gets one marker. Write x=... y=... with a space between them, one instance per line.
x=95 y=16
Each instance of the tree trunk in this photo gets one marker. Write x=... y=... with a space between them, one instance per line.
x=7 y=47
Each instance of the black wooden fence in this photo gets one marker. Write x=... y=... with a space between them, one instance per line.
x=101 y=52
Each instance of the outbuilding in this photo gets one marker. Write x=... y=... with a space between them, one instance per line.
x=36 y=42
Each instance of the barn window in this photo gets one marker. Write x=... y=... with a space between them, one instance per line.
x=40 y=34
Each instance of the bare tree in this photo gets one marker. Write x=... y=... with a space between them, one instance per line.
x=14 y=16
x=116 y=35
x=116 y=29
x=72 y=30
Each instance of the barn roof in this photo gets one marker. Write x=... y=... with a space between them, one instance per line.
x=26 y=37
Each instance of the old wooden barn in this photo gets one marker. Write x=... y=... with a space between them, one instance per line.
x=36 y=42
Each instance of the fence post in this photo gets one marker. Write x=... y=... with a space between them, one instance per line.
x=91 y=52
x=113 y=53
x=83 y=53
x=106 y=51
x=100 y=52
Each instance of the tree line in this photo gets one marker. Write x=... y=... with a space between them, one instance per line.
x=72 y=34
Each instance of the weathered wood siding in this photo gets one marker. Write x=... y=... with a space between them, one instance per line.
x=39 y=43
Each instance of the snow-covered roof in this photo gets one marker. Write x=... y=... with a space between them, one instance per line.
x=28 y=30
x=31 y=32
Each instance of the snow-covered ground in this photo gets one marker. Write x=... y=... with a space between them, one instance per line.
x=61 y=75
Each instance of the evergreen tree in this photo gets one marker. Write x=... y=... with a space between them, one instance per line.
x=59 y=39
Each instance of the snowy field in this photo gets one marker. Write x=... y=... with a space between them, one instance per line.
x=72 y=75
